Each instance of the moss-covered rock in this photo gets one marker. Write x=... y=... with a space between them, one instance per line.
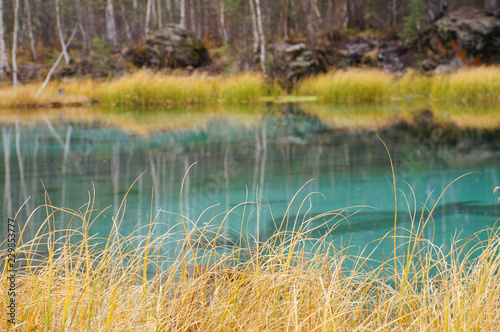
x=171 y=47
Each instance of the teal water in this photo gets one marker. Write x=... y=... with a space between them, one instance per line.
x=267 y=159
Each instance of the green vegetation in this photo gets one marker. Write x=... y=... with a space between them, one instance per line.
x=296 y=280
x=146 y=89
x=415 y=22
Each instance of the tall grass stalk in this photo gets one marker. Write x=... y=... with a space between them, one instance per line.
x=295 y=280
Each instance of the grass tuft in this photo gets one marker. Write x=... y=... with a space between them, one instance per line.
x=358 y=86
x=469 y=85
x=480 y=84
x=295 y=280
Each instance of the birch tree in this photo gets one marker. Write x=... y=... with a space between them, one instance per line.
x=191 y=13
x=285 y=20
x=159 y=12
x=14 y=43
x=60 y=32
x=262 y=38
x=223 y=22
x=254 y=27
x=81 y=25
x=4 y=61
x=183 y=13
x=111 y=24
x=148 y=17
x=169 y=10
x=27 y=9
x=125 y=23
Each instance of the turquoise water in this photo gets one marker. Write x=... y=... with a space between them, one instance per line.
x=235 y=160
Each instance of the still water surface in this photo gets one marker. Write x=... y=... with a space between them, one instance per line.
x=264 y=156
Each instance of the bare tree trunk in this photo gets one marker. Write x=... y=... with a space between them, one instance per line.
x=125 y=22
x=169 y=10
x=285 y=19
x=183 y=13
x=330 y=20
x=254 y=27
x=148 y=17
x=159 y=12
x=319 y=19
x=394 y=16
x=60 y=32
x=222 y=21
x=262 y=38
x=80 y=14
x=491 y=4
x=191 y=12
x=110 y=23
x=199 y=28
x=154 y=17
x=4 y=61
x=345 y=13
x=27 y=8
x=47 y=79
x=307 y=5
x=14 y=43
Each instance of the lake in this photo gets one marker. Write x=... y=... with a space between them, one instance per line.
x=262 y=154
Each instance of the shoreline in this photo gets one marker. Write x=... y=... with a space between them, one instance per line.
x=146 y=89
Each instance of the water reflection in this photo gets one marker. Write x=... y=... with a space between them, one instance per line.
x=264 y=157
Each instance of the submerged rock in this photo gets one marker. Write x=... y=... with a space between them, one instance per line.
x=171 y=47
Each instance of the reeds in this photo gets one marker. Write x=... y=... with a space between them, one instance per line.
x=247 y=87
x=358 y=86
x=296 y=280
x=469 y=85
x=480 y=84
x=56 y=94
x=145 y=89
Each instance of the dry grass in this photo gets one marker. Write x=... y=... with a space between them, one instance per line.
x=74 y=93
x=145 y=89
x=358 y=86
x=294 y=281
x=480 y=84
x=470 y=85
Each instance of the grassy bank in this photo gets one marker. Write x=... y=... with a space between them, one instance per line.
x=471 y=85
x=146 y=89
x=295 y=281
x=139 y=90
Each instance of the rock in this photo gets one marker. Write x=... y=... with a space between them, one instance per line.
x=429 y=64
x=291 y=63
x=171 y=47
x=468 y=34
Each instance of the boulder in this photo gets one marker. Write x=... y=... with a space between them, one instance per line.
x=290 y=63
x=469 y=34
x=171 y=47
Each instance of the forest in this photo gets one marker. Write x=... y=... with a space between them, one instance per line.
x=36 y=31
